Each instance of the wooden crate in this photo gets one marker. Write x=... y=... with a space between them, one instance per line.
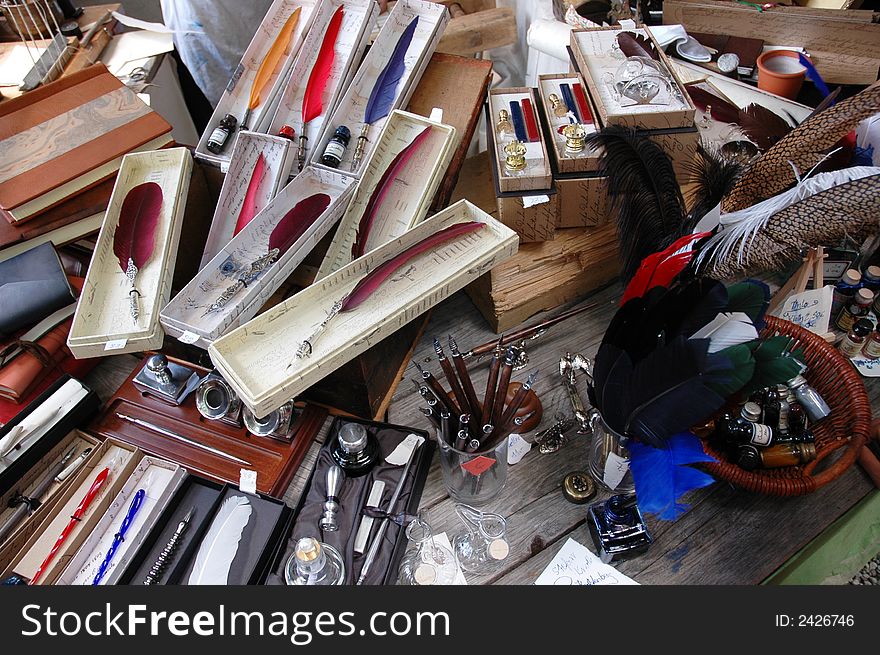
x=350 y=110
x=542 y=276
x=592 y=52
x=103 y=323
x=413 y=186
x=258 y=359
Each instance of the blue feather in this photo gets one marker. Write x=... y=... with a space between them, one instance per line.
x=662 y=477
x=385 y=90
x=813 y=74
x=519 y=122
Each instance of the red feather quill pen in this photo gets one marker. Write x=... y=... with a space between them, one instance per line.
x=374 y=279
x=135 y=236
x=288 y=230
x=295 y=222
x=380 y=193
x=313 y=103
x=249 y=206
x=636 y=45
x=659 y=269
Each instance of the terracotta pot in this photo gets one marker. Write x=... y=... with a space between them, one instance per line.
x=781 y=72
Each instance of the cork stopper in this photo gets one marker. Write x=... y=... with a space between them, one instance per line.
x=307 y=549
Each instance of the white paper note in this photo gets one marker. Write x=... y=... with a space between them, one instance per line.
x=809 y=309
x=517 y=447
x=616 y=468
x=442 y=540
x=870 y=368
x=400 y=455
x=574 y=564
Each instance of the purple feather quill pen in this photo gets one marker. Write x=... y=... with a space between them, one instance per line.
x=384 y=90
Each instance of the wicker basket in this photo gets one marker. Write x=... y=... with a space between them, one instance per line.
x=847 y=428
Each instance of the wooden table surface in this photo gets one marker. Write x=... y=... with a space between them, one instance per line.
x=727 y=537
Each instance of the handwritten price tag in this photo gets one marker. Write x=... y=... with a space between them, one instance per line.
x=810 y=309
x=478 y=465
x=517 y=448
x=574 y=564
x=615 y=469
x=118 y=344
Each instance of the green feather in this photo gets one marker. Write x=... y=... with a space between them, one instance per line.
x=749 y=297
x=743 y=362
x=774 y=364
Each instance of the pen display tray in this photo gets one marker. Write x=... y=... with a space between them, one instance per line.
x=187 y=317
x=103 y=323
x=260 y=537
x=594 y=51
x=407 y=200
x=358 y=19
x=274 y=460
x=433 y=18
x=537 y=173
x=585 y=161
x=120 y=458
x=352 y=497
x=258 y=359
x=237 y=94
x=277 y=155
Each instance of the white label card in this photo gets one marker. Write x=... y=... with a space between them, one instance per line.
x=400 y=455
x=810 y=309
x=531 y=201
x=517 y=447
x=615 y=468
x=188 y=337
x=247 y=481
x=117 y=344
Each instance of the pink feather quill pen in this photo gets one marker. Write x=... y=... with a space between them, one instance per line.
x=249 y=206
x=380 y=193
x=135 y=236
x=287 y=232
x=313 y=104
x=375 y=278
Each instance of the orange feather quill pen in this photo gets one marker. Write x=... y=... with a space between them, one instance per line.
x=280 y=49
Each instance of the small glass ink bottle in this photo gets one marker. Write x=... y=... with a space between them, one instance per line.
x=852 y=343
x=335 y=149
x=355 y=450
x=220 y=136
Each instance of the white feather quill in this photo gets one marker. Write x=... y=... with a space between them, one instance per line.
x=727 y=330
x=739 y=228
x=220 y=544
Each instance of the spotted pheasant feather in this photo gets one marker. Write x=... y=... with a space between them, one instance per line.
x=804 y=147
x=846 y=209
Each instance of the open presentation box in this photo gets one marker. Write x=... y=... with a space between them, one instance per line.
x=190 y=317
x=567 y=161
x=358 y=17
x=536 y=174
x=236 y=98
x=598 y=61
x=258 y=359
x=350 y=112
x=103 y=323
x=394 y=194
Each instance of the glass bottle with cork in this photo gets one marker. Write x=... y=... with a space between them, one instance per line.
x=857 y=308
x=871 y=347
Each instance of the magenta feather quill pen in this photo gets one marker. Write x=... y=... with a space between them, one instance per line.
x=374 y=279
x=135 y=236
x=385 y=89
x=249 y=206
x=380 y=193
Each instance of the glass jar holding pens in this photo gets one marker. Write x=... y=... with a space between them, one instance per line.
x=609 y=457
x=473 y=435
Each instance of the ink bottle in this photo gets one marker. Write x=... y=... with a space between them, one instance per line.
x=814 y=405
x=335 y=149
x=852 y=343
x=787 y=454
x=314 y=564
x=845 y=290
x=857 y=308
x=355 y=449
x=220 y=136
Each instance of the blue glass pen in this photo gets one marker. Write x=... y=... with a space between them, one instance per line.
x=136 y=503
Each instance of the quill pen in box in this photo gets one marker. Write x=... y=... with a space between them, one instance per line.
x=279 y=49
x=249 y=206
x=380 y=193
x=220 y=545
x=312 y=104
x=290 y=228
x=135 y=236
x=374 y=279
x=385 y=89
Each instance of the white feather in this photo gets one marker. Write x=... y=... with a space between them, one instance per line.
x=220 y=544
x=727 y=330
x=739 y=228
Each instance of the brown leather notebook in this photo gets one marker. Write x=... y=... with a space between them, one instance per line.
x=67 y=136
